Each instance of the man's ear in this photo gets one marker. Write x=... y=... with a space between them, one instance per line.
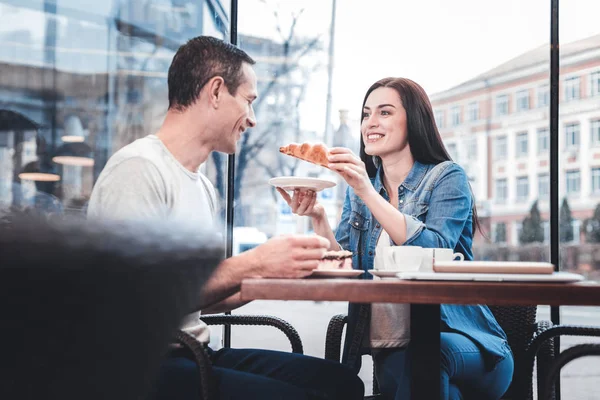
x=215 y=87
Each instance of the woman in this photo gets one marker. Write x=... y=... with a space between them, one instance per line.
x=405 y=190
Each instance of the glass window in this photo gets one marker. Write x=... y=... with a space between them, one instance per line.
x=522 y=189
x=502 y=104
x=472 y=148
x=473 y=111
x=523 y=100
x=573 y=182
x=595 y=131
x=521 y=140
x=499 y=232
x=543 y=96
x=596 y=180
x=451 y=147
x=94 y=76
x=543 y=136
x=572 y=136
x=595 y=84
x=543 y=186
x=500 y=148
x=439 y=118
x=572 y=88
x=455 y=112
x=501 y=191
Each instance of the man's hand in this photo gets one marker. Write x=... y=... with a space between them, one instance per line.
x=289 y=256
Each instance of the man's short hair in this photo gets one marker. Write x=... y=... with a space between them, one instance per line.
x=200 y=60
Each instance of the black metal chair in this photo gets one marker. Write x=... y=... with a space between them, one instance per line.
x=201 y=356
x=520 y=327
x=543 y=346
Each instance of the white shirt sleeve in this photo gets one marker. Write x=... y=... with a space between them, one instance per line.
x=133 y=190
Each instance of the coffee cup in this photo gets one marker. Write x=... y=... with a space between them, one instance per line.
x=398 y=258
x=431 y=256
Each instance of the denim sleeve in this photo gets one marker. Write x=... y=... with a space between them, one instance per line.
x=342 y=234
x=450 y=204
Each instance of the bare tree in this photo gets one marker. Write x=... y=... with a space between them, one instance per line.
x=289 y=79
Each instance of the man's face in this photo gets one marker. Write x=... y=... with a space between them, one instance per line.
x=237 y=113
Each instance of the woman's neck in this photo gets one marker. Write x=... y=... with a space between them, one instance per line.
x=395 y=171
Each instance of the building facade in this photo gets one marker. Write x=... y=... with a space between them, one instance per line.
x=496 y=127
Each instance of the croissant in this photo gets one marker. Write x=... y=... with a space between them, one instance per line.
x=314 y=153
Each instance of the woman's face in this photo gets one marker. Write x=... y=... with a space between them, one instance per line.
x=383 y=124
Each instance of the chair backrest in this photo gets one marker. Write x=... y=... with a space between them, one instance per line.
x=518 y=322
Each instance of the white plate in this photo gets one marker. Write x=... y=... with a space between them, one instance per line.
x=294 y=182
x=458 y=276
x=389 y=273
x=335 y=273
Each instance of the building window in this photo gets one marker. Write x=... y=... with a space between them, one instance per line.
x=439 y=118
x=500 y=148
x=596 y=180
x=543 y=141
x=502 y=104
x=451 y=147
x=572 y=136
x=455 y=112
x=543 y=186
x=572 y=88
x=472 y=149
x=522 y=189
x=501 y=191
x=573 y=182
x=595 y=131
x=473 y=111
x=521 y=150
x=595 y=84
x=543 y=96
x=499 y=232
x=522 y=100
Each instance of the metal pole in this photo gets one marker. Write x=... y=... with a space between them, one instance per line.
x=327 y=139
x=230 y=175
x=554 y=162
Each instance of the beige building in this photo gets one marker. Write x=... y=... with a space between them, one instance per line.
x=496 y=126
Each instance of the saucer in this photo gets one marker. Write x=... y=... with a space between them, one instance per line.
x=293 y=182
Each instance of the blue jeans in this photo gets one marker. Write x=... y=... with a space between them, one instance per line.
x=463 y=375
x=260 y=374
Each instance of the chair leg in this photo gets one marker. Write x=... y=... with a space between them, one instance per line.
x=375 y=383
x=561 y=360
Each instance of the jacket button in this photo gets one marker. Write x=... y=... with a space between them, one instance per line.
x=377 y=226
x=401 y=201
x=370 y=253
x=356 y=224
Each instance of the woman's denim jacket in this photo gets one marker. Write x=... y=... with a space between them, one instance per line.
x=438 y=205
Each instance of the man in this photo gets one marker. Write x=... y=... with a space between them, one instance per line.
x=211 y=89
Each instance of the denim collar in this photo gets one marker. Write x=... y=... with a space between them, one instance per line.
x=412 y=181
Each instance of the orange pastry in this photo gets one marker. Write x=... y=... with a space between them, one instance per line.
x=314 y=153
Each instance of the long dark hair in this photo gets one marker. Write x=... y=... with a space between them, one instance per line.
x=426 y=145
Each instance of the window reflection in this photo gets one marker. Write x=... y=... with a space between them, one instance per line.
x=93 y=76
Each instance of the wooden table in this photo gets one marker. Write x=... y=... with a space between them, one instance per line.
x=425 y=298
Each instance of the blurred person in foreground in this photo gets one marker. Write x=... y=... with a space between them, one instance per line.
x=211 y=89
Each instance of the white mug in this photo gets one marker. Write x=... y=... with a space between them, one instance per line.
x=398 y=258
x=436 y=255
